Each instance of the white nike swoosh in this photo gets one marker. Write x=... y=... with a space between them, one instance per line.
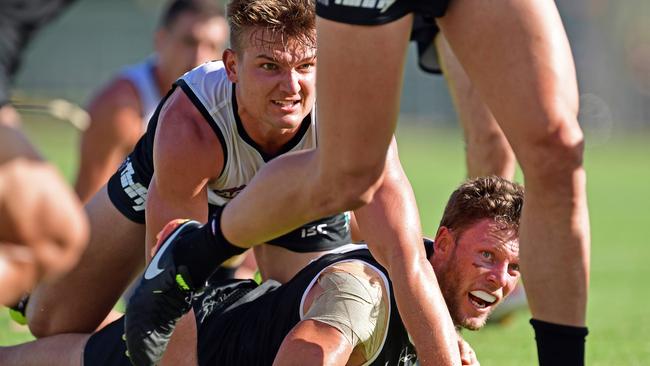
x=153 y=270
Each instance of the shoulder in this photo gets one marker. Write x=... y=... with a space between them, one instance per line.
x=213 y=70
x=184 y=135
x=208 y=83
x=117 y=94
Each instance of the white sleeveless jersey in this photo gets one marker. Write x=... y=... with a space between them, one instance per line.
x=210 y=90
x=142 y=77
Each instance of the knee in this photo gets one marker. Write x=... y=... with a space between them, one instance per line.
x=41 y=323
x=351 y=188
x=64 y=244
x=555 y=154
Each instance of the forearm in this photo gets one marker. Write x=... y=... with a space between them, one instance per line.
x=163 y=207
x=390 y=225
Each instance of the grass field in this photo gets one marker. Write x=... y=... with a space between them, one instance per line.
x=619 y=176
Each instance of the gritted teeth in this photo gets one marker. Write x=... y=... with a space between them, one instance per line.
x=489 y=299
x=286 y=102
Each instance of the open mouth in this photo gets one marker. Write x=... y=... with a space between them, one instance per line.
x=286 y=103
x=481 y=299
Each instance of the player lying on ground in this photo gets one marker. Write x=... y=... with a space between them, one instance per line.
x=339 y=308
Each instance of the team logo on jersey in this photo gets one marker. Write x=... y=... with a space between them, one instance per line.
x=136 y=191
x=229 y=193
x=382 y=5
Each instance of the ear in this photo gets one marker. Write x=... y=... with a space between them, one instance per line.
x=159 y=39
x=230 y=62
x=444 y=242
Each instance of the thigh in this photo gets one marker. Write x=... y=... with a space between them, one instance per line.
x=79 y=301
x=517 y=55
x=359 y=86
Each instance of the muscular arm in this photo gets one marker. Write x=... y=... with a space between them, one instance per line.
x=390 y=225
x=116 y=125
x=187 y=154
x=311 y=342
x=345 y=319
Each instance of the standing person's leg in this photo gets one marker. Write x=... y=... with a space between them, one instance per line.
x=487 y=151
x=517 y=55
x=80 y=300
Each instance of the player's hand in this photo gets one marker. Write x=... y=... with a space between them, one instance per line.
x=467 y=354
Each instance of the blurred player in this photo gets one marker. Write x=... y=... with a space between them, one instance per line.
x=190 y=33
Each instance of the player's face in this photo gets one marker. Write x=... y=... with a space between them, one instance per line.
x=275 y=81
x=190 y=41
x=479 y=271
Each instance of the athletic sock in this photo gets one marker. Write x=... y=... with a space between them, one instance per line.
x=202 y=251
x=559 y=344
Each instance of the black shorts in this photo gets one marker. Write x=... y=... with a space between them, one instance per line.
x=232 y=326
x=127 y=190
x=376 y=12
x=424 y=33
x=19 y=19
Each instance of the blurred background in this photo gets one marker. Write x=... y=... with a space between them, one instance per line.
x=71 y=57
x=81 y=49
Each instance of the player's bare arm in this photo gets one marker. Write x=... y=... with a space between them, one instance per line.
x=115 y=127
x=187 y=155
x=390 y=225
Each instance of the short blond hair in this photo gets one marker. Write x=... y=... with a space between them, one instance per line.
x=290 y=19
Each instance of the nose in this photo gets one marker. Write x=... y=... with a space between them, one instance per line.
x=290 y=82
x=498 y=275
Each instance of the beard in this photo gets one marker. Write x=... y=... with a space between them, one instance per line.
x=450 y=286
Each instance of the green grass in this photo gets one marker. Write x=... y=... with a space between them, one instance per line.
x=618 y=172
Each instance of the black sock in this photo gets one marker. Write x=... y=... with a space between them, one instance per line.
x=202 y=251
x=559 y=344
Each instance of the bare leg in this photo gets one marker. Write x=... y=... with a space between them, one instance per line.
x=81 y=300
x=517 y=55
x=62 y=349
x=487 y=149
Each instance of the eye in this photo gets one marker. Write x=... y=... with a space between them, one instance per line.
x=486 y=255
x=513 y=267
x=306 y=67
x=269 y=66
